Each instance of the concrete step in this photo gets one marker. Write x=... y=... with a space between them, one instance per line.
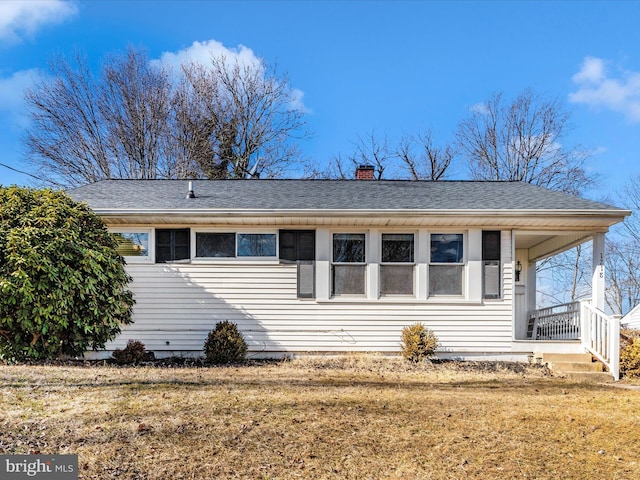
x=565 y=357
x=570 y=367
x=575 y=366
x=596 y=377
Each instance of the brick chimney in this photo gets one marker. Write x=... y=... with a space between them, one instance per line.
x=365 y=172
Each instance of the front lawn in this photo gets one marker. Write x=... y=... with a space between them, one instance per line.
x=351 y=417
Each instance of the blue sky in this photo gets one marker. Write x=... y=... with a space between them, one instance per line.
x=390 y=67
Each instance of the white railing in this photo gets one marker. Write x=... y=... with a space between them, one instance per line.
x=560 y=322
x=601 y=337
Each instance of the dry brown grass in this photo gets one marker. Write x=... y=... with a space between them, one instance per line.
x=348 y=417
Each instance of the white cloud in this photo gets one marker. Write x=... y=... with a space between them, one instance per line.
x=11 y=95
x=598 y=88
x=20 y=18
x=201 y=52
x=480 y=108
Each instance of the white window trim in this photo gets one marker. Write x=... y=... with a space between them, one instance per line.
x=151 y=251
x=235 y=259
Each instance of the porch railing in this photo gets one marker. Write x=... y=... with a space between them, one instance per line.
x=560 y=322
x=598 y=332
x=601 y=337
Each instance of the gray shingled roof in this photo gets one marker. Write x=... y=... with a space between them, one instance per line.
x=326 y=194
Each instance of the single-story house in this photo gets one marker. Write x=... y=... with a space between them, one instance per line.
x=344 y=265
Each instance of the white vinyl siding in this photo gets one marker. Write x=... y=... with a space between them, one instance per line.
x=177 y=305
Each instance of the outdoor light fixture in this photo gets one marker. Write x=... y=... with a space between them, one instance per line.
x=518 y=270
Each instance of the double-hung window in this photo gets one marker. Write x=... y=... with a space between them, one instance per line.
x=397 y=264
x=446 y=266
x=232 y=245
x=349 y=264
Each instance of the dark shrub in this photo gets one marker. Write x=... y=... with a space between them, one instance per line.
x=134 y=352
x=225 y=344
x=63 y=286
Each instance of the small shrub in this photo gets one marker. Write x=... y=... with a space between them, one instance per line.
x=134 y=352
x=225 y=344
x=418 y=342
x=630 y=353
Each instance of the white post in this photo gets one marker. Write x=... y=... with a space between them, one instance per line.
x=597 y=284
x=614 y=347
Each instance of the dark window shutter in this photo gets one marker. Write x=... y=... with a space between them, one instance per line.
x=491 y=264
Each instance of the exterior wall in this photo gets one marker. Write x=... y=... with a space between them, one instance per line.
x=632 y=319
x=178 y=304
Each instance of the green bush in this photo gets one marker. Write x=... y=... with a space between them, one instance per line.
x=630 y=353
x=418 y=342
x=225 y=344
x=134 y=352
x=62 y=283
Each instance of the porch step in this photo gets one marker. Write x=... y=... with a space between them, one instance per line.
x=575 y=366
x=566 y=357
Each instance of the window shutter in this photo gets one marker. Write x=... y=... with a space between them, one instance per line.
x=491 y=264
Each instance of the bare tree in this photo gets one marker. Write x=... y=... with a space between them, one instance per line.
x=367 y=150
x=623 y=255
x=67 y=138
x=623 y=275
x=135 y=103
x=522 y=141
x=249 y=115
x=430 y=162
x=138 y=119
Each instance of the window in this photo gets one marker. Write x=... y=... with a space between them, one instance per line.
x=215 y=245
x=172 y=244
x=256 y=244
x=396 y=270
x=133 y=244
x=491 y=264
x=231 y=245
x=348 y=268
x=299 y=246
x=446 y=268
